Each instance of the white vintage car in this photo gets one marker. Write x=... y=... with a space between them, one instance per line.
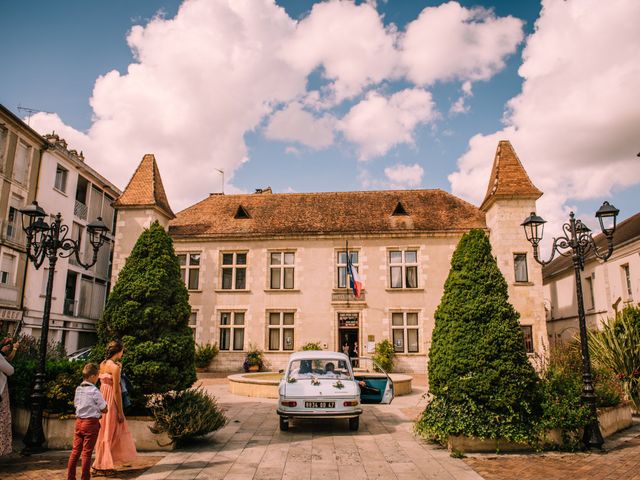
x=320 y=384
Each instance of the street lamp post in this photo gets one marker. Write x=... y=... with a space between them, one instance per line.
x=50 y=242
x=577 y=242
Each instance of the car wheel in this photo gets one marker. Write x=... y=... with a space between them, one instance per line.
x=284 y=424
x=354 y=424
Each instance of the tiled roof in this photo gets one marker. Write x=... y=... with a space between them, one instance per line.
x=145 y=188
x=508 y=177
x=626 y=231
x=326 y=214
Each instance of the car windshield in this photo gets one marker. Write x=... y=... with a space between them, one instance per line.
x=321 y=368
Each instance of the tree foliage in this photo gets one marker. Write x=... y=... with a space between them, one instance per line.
x=149 y=310
x=479 y=376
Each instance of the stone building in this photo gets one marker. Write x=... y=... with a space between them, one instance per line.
x=20 y=152
x=269 y=269
x=607 y=287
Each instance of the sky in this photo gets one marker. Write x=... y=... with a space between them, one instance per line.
x=308 y=96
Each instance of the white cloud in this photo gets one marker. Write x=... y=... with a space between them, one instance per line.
x=575 y=124
x=297 y=125
x=452 y=42
x=377 y=123
x=404 y=176
x=350 y=42
x=460 y=105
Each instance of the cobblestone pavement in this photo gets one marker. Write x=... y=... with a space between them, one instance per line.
x=53 y=466
x=252 y=447
x=621 y=460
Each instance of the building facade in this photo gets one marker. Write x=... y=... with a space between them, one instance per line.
x=67 y=185
x=270 y=270
x=20 y=153
x=607 y=287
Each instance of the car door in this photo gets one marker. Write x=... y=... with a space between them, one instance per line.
x=376 y=386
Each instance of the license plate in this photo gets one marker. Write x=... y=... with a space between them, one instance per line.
x=319 y=404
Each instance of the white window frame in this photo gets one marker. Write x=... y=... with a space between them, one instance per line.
x=282 y=268
x=187 y=268
x=8 y=278
x=528 y=344
x=515 y=267
x=403 y=329
x=235 y=267
x=61 y=179
x=341 y=266
x=590 y=293
x=233 y=326
x=404 y=267
x=193 y=325
x=27 y=159
x=281 y=327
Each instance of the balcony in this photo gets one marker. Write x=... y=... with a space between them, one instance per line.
x=346 y=295
x=12 y=233
x=80 y=210
x=69 y=307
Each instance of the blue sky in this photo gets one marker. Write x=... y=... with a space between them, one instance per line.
x=59 y=53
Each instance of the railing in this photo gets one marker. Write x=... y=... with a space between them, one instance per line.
x=347 y=296
x=12 y=232
x=80 y=210
x=69 y=307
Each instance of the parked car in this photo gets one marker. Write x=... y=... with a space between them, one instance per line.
x=320 y=384
x=82 y=354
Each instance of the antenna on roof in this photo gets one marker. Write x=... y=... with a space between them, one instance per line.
x=30 y=111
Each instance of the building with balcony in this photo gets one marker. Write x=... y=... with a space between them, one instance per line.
x=271 y=269
x=20 y=152
x=607 y=287
x=67 y=185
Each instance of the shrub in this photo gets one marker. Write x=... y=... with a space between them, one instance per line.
x=615 y=347
x=384 y=355
x=186 y=414
x=255 y=356
x=148 y=309
x=312 y=346
x=205 y=353
x=480 y=378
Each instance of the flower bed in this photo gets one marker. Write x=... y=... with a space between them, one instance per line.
x=58 y=431
x=611 y=420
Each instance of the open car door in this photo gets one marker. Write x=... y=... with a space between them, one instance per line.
x=375 y=384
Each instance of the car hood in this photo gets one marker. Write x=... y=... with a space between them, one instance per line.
x=304 y=388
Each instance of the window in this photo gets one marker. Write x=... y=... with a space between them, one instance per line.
x=4 y=133
x=7 y=269
x=231 y=330
x=12 y=227
x=61 y=179
x=234 y=271
x=626 y=279
x=193 y=322
x=281 y=330
x=281 y=267
x=21 y=163
x=403 y=268
x=190 y=269
x=527 y=331
x=404 y=326
x=342 y=267
x=520 y=267
x=590 y=296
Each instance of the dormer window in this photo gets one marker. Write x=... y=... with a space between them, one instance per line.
x=399 y=210
x=241 y=213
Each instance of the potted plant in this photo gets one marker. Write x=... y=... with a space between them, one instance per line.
x=205 y=353
x=254 y=361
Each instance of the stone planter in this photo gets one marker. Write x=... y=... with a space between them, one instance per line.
x=611 y=420
x=58 y=431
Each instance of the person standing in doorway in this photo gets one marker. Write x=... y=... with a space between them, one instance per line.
x=345 y=349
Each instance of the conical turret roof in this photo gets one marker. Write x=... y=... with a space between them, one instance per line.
x=508 y=177
x=145 y=189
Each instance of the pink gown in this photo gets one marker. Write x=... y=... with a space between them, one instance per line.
x=115 y=443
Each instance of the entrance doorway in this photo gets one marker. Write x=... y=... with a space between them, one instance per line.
x=349 y=334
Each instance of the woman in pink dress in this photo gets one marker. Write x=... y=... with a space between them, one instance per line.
x=115 y=443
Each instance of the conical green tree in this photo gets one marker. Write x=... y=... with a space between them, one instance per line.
x=481 y=380
x=148 y=309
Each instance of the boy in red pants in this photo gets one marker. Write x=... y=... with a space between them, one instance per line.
x=89 y=405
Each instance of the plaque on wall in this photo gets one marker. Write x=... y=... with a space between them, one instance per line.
x=348 y=320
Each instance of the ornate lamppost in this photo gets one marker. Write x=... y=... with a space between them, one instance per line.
x=46 y=241
x=577 y=242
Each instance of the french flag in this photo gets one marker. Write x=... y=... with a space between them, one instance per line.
x=355 y=282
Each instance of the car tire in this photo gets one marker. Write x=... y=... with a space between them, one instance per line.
x=354 y=424
x=284 y=424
